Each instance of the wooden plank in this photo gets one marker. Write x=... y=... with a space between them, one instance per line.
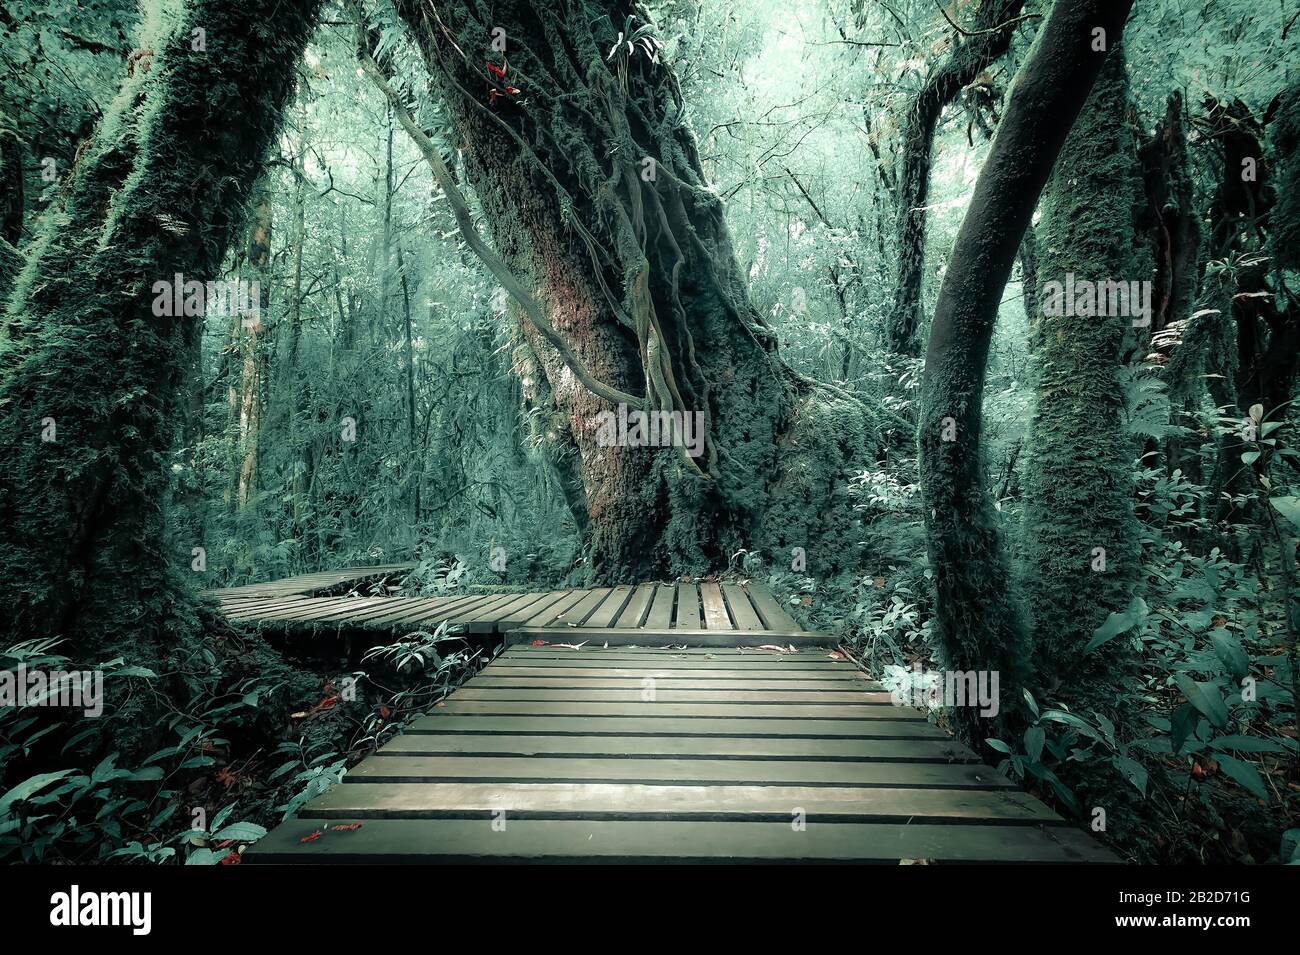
x=815 y=711
x=552 y=612
x=493 y=678
x=586 y=725
x=427 y=612
x=658 y=840
x=650 y=690
x=714 y=654
x=580 y=675
x=668 y=771
x=670 y=638
x=629 y=800
x=535 y=604
x=575 y=615
x=715 y=609
x=636 y=608
x=921 y=750
x=483 y=618
x=773 y=614
x=688 y=608
x=741 y=610
x=304 y=610
x=608 y=610
x=412 y=610
x=808 y=661
x=660 y=616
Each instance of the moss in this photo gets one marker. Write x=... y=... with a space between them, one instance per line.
x=1077 y=485
x=1285 y=215
x=162 y=191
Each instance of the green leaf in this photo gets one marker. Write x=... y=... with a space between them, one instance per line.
x=1249 y=457
x=1244 y=774
x=1034 y=737
x=1290 y=850
x=30 y=786
x=1182 y=725
x=1288 y=507
x=203 y=857
x=1228 y=648
x=997 y=744
x=243 y=831
x=1069 y=719
x=1030 y=702
x=1117 y=623
x=1133 y=771
x=1206 y=698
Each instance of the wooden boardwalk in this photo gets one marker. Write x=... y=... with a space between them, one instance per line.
x=705 y=614
x=631 y=755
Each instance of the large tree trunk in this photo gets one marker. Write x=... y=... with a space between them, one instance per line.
x=979 y=620
x=593 y=191
x=83 y=512
x=1081 y=549
x=989 y=37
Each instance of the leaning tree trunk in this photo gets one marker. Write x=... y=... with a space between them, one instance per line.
x=979 y=620
x=90 y=388
x=1081 y=548
x=988 y=39
x=594 y=194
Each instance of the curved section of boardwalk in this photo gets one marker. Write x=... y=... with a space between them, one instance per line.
x=661 y=755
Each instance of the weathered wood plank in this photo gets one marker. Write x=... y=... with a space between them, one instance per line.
x=715 y=609
x=742 y=612
x=668 y=771
x=586 y=725
x=688 y=608
x=552 y=612
x=595 y=801
x=496 y=679
x=604 y=615
x=669 y=638
x=773 y=614
x=819 y=711
x=597 y=674
x=636 y=608
x=559 y=840
x=921 y=750
x=660 y=616
x=649 y=690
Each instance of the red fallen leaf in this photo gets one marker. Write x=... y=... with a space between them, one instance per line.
x=348 y=827
x=512 y=91
x=440 y=703
x=836 y=655
x=806 y=601
x=492 y=95
x=1197 y=772
x=538 y=643
x=498 y=71
x=312 y=837
x=232 y=858
x=224 y=843
x=226 y=777
x=384 y=711
x=329 y=701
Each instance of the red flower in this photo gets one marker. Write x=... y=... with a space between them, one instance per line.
x=498 y=71
x=232 y=858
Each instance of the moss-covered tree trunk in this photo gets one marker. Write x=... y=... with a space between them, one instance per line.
x=91 y=382
x=980 y=626
x=589 y=176
x=1081 y=549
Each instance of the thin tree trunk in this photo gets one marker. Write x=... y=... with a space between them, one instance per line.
x=989 y=37
x=979 y=620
